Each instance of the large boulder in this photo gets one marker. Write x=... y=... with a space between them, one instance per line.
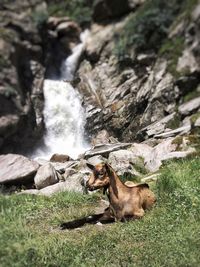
x=73 y=183
x=17 y=169
x=46 y=175
x=125 y=162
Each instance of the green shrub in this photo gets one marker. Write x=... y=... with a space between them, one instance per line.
x=78 y=10
x=148 y=27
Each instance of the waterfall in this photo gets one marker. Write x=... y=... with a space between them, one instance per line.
x=64 y=115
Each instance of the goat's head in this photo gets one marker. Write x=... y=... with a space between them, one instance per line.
x=99 y=177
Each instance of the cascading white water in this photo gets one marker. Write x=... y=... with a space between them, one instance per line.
x=63 y=113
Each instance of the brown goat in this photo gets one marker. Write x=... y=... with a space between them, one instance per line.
x=125 y=201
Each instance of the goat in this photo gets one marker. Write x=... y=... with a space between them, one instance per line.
x=125 y=201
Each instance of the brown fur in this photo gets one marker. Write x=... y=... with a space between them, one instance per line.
x=125 y=201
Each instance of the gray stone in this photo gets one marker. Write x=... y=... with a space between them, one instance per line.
x=73 y=183
x=189 y=107
x=96 y=160
x=104 y=150
x=17 y=169
x=180 y=131
x=46 y=175
x=124 y=161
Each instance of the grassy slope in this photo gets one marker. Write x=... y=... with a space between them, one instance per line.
x=167 y=236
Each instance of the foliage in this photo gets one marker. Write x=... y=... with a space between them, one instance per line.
x=146 y=30
x=39 y=17
x=78 y=10
x=172 y=50
x=191 y=95
x=168 y=235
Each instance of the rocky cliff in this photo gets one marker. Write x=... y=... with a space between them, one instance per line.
x=141 y=71
x=139 y=76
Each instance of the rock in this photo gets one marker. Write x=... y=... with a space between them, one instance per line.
x=58 y=166
x=46 y=175
x=163 y=151
x=109 y=9
x=8 y=125
x=179 y=131
x=189 y=107
x=17 y=169
x=124 y=161
x=96 y=160
x=53 y=22
x=103 y=137
x=157 y=127
x=197 y=122
x=73 y=183
x=59 y=158
x=104 y=150
x=70 y=29
x=30 y=191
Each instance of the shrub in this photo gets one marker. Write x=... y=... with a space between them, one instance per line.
x=146 y=30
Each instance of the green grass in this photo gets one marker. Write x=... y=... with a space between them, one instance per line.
x=78 y=10
x=172 y=49
x=167 y=236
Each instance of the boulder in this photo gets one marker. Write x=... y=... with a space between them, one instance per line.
x=17 y=169
x=59 y=158
x=73 y=183
x=96 y=160
x=189 y=107
x=124 y=161
x=46 y=175
x=105 y=149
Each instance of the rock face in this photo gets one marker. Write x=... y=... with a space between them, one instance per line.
x=46 y=175
x=135 y=94
x=16 y=169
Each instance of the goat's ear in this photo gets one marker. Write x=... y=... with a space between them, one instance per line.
x=108 y=167
x=90 y=166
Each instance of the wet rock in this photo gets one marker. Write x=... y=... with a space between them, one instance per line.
x=59 y=158
x=17 y=169
x=46 y=176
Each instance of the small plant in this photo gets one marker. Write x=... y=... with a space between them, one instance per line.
x=78 y=10
x=148 y=28
x=40 y=18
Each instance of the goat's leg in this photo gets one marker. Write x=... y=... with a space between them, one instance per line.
x=139 y=213
x=119 y=216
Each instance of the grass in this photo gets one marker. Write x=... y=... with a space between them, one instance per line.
x=167 y=236
x=148 y=27
x=172 y=49
x=78 y=10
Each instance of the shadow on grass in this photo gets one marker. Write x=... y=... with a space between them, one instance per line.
x=91 y=219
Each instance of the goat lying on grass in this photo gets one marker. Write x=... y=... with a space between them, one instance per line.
x=125 y=201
